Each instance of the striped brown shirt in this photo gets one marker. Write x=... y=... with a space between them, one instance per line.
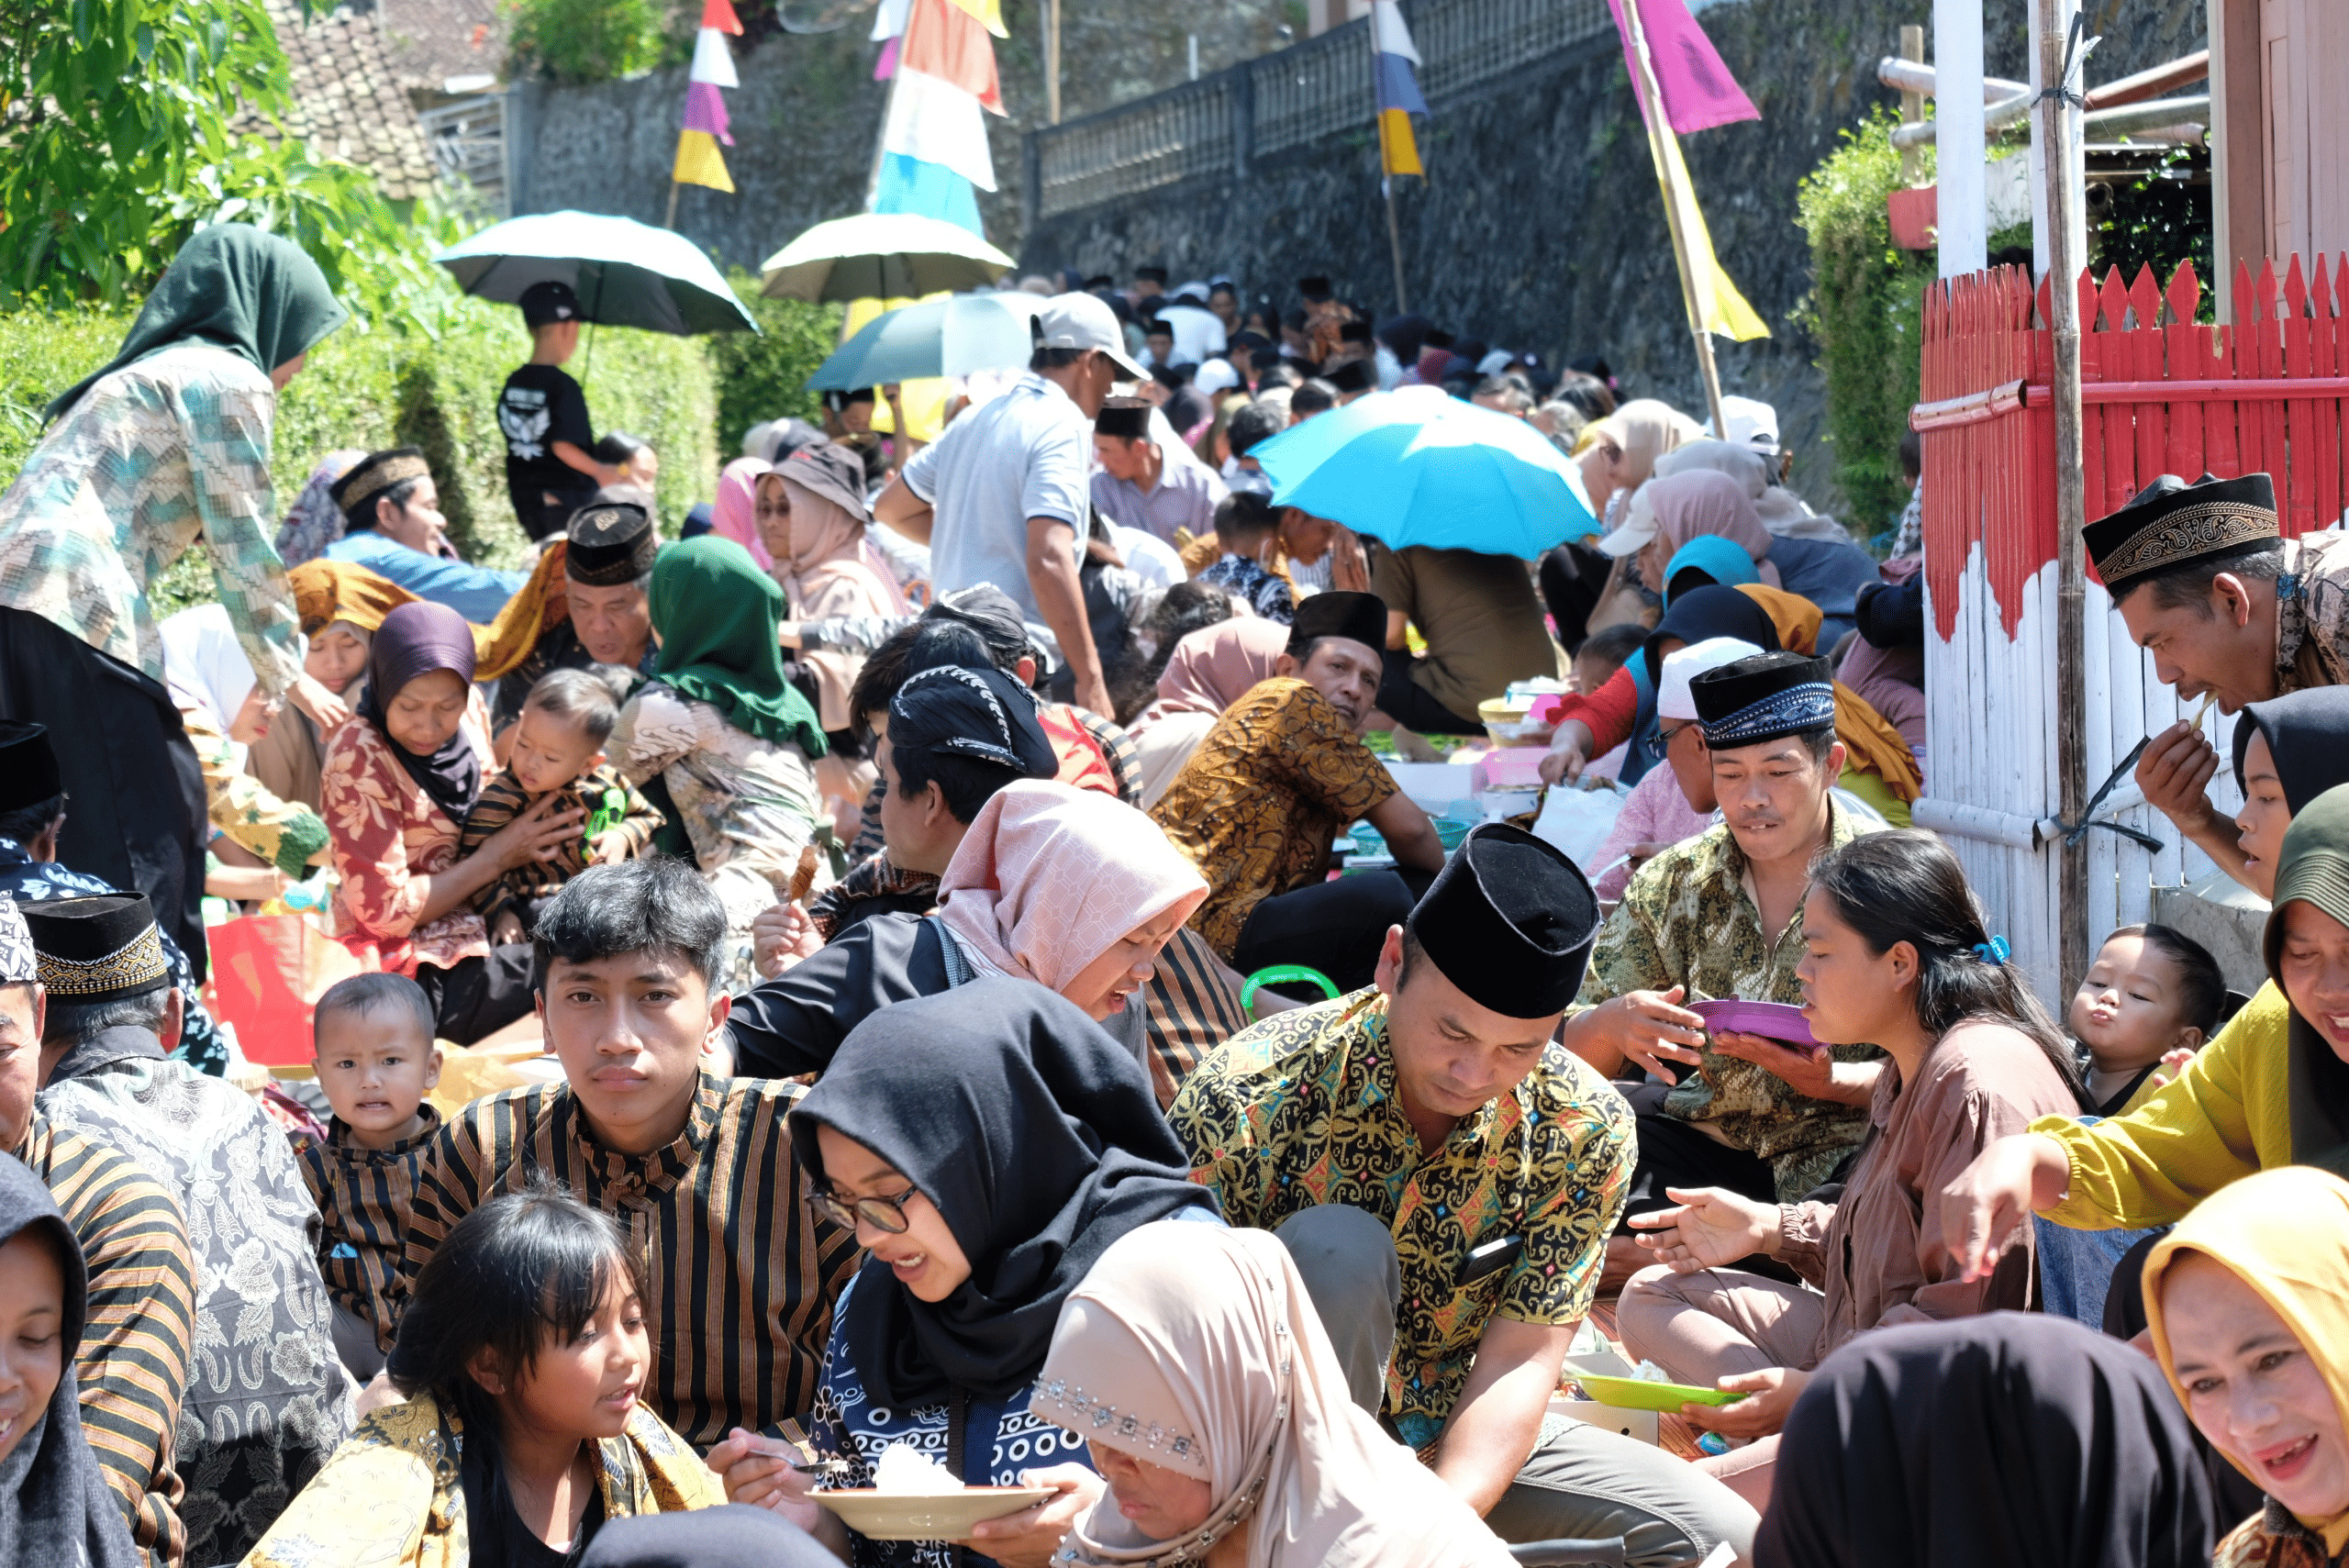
x=133 y=1358
x=742 y=1277
x=364 y=1195
x=1192 y=1010
x=502 y=800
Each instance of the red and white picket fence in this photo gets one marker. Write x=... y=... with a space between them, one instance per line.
x=2161 y=395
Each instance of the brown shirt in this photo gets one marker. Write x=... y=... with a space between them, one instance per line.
x=1258 y=803
x=1877 y=1252
x=1480 y=618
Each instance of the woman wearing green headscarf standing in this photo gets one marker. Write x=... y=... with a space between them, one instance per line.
x=167 y=444
x=728 y=737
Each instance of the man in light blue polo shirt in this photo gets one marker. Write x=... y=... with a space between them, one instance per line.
x=396 y=531
x=1004 y=495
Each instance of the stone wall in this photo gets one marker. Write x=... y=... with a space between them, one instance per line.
x=1540 y=225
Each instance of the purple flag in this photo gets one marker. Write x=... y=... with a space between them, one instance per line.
x=706 y=110
x=1698 y=91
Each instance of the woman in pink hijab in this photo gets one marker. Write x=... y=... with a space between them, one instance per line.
x=1693 y=502
x=1211 y=669
x=733 y=515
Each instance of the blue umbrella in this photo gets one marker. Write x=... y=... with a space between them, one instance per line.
x=1418 y=466
x=626 y=273
x=961 y=334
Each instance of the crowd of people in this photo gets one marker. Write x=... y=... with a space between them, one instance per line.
x=911 y=890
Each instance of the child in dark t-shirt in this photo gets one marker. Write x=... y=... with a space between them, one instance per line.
x=550 y=473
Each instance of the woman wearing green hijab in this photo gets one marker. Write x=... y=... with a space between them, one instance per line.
x=723 y=731
x=167 y=444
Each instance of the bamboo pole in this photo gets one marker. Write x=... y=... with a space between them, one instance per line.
x=1659 y=133
x=1912 y=105
x=1386 y=180
x=1051 y=62
x=2060 y=127
x=670 y=222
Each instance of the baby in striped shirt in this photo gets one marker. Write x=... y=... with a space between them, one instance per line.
x=377 y=1059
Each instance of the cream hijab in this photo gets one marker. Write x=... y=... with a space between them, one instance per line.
x=1195 y=1348
x=1643 y=430
x=1050 y=878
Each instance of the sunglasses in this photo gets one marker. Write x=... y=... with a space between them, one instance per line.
x=882 y=1213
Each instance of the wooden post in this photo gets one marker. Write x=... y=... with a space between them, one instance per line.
x=1959 y=179
x=1659 y=131
x=1395 y=245
x=2060 y=125
x=1050 y=61
x=670 y=222
x=1912 y=105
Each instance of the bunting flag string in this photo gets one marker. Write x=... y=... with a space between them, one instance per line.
x=1398 y=90
x=938 y=59
x=699 y=162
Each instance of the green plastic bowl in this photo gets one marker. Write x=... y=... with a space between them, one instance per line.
x=1638 y=1394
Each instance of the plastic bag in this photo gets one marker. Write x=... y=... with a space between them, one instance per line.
x=1577 y=821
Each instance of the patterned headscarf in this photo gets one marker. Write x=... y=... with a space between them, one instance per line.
x=315 y=521
x=17 y=964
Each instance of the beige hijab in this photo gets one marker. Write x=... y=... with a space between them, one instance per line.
x=1195 y=1348
x=1643 y=430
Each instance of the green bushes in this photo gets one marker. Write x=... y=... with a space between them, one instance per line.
x=587 y=40
x=764 y=377
x=1863 y=312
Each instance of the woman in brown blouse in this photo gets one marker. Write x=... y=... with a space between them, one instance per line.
x=1897 y=957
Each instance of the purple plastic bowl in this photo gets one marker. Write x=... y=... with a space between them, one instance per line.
x=1771 y=1020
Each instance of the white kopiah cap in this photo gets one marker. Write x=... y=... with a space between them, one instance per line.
x=1752 y=423
x=1084 y=321
x=1216 y=375
x=1639 y=526
x=1672 y=699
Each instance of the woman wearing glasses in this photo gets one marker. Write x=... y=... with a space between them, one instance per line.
x=986 y=1145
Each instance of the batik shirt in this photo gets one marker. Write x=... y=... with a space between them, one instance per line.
x=1687 y=920
x=140 y=1324
x=1303 y=1110
x=286 y=834
x=28 y=881
x=390 y=835
x=153 y=456
x=364 y=1196
x=2312 y=613
x=1261 y=799
x=1268 y=596
x=748 y=806
x=1000 y=1439
x=394 y=1496
x=267 y=1399
x=503 y=798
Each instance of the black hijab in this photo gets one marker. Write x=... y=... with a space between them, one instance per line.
x=1037 y=1136
x=727 y=1535
x=416 y=640
x=1710 y=611
x=2010 y=1441
x=55 y=1507
x=2307 y=734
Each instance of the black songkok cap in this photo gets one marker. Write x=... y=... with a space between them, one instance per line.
x=2171 y=522
x=1510 y=921
x=27 y=765
x=1152 y=276
x=1098 y=281
x=1763 y=696
x=1126 y=418
x=1314 y=289
x=1255 y=342
x=1360 y=616
x=99 y=949
x=612 y=542
x=1353 y=332
x=1353 y=376
x=355 y=494
x=1436 y=337
x=980 y=716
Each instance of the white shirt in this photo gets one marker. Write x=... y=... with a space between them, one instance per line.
x=1199 y=334
x=1027 y=453
x=1148 y=557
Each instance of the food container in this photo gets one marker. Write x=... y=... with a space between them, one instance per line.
x=1771 y=1020
x=915 y=1516
x=1509 y=722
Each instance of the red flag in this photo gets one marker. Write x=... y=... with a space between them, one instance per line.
x=719 y=14
x=951 y=45
x=1698 y=91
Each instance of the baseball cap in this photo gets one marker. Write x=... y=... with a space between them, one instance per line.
x=1084 y=321
x=1639 y=526
x=1673 y=699
x=547 y=302
x=1752 y=423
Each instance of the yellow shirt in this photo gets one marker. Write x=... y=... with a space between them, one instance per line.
x=2229 y=1113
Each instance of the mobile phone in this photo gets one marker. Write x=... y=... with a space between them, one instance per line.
x=1489 y=1258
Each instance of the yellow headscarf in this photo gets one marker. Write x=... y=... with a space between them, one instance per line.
x=1876 y=747
x=2284 y=1232
x=327 y=591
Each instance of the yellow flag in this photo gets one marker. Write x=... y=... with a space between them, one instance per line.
x=1399 y=148
x=1722 y=308
x=699 y=162
x=924 y=397
x=988 y=11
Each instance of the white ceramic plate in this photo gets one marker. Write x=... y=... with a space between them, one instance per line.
x=906 y=1516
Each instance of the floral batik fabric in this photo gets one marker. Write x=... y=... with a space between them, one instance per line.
x=388 y=836
x=1303 y=1110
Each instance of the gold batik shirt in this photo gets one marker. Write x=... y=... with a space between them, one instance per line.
x=1687 y=920
x=1302 y=1109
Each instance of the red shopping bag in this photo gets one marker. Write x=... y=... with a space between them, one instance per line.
x=268 y=972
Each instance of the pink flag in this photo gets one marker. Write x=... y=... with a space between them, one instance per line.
x=706 y=110
x=886 y=66
x=1698 y=91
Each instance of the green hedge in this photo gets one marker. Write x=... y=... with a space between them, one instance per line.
x=766 y=376
x=379 y=388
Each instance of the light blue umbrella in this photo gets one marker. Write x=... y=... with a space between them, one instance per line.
x=1418 y=466
x=626 y=273
x=961 y=335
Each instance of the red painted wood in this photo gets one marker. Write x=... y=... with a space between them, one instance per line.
x=2296 y=492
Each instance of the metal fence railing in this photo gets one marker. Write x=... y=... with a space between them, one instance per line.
x=1297 y=95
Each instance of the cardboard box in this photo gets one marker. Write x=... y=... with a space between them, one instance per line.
x=1638 y=1425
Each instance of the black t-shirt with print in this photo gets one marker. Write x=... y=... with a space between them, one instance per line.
x=540 y=407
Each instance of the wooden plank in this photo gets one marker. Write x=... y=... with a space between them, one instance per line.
x=2143 y=358
x=2182 y=342
x=2296 y=494
x=2274 y=457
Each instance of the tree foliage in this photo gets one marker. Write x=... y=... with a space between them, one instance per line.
x=587 y=40
x=763 y=375
x=127 y=125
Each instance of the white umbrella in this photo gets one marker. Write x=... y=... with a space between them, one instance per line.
x=882 y=255
x=961 y=335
